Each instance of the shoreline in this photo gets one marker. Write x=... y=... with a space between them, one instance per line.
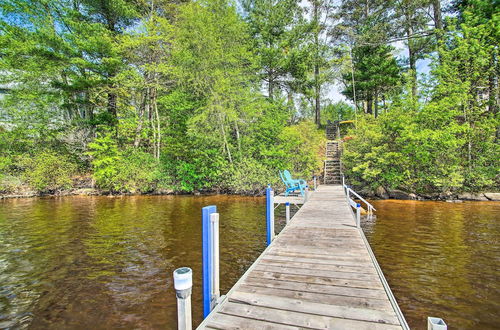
x=395 y=195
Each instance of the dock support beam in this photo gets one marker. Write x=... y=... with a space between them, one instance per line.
x=358 y=215
x=287 y=212
x=210 y=237
x=270 y=214
x=183 y=283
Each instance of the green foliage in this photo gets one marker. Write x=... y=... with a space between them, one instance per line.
x=47 y=171
x=10 y=184
x=298 y=148
x=137 y=172
x=337 y=111
x=105 y=160
x=449 y=143
x=376 y=75
x=248 y=176
x=171 y=95
x=130 y=170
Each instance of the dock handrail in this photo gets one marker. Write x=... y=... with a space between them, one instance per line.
x=348 y=191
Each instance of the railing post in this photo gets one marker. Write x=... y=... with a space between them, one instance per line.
x=306 y=194
x=287 y=212
x=214 y=221
x=358 y=215
x=183 y=283
x=315 y=184
x=208 y=267
x=436 y=323
x=270 y=214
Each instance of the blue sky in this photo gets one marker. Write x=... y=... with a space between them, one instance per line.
x=401 y=52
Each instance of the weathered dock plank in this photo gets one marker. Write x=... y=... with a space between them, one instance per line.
x=318 y=273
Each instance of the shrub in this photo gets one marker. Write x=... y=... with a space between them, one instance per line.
x=299 y=148
x=131 y=170
x=10 y=184
x=105 y=158
x=47 y=171
x=249 y=176
x=137 y=172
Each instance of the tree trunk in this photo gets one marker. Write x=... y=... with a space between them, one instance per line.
x=493 y=87
x=317 y=86
x=318 y=103
x=369 y=104
x=438 y=19
x=138 y=130
x=112 y=98
x=237 y=129
x=438 y=23
x=224 y=138
x=376 y=104
x=152 y=119
x=412 y=60
x=158 y=127
x=270 y=85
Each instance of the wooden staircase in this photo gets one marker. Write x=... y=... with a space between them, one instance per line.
x=332 y=171
x=331 y=131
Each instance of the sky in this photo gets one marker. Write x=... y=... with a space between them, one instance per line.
x=401 y=52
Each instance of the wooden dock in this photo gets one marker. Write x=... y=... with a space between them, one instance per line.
x=318 y=273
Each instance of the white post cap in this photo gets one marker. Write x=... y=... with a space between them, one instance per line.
x=183 y=278
x=436 y=323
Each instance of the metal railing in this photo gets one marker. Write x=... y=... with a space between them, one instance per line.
x=348 y=191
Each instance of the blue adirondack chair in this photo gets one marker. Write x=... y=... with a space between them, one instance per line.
x=292 y=184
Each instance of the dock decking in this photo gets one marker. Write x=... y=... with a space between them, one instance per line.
x=318 y=273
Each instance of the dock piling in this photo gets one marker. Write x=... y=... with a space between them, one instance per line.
x=208 y=257
x=183 y=283
x=436 y=323
x=315 y=184
x=270 y=214
x=214 y=221
x=358 y=215
x=287 y=212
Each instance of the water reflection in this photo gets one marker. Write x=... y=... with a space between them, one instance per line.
x=440 y=259
x=100 y=262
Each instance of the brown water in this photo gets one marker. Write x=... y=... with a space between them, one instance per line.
x=101 y=263
x=440 y=259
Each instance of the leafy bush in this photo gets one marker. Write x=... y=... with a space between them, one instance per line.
x=137 y=172
x=47 y=171
x=249 y=176
x=131 y=170
x=10 y=184
x=5 y=164
x=407 y=149
x=105 y=159
x=298 y=148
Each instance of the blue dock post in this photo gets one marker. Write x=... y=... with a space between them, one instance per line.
x=207 y=257
x=358 y=215
x=287 y=212
x=270 y=214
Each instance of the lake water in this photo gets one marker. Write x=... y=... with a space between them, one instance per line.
x=440 y=259
x=107 y=262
